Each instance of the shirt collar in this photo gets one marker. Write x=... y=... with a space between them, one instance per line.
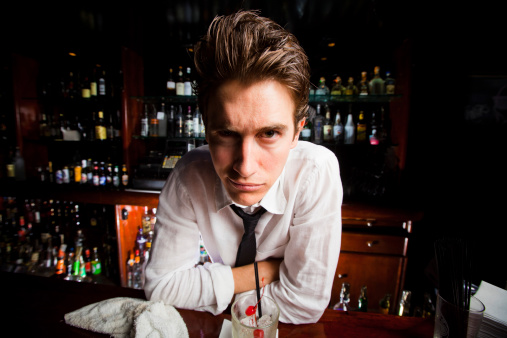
x=274 y=201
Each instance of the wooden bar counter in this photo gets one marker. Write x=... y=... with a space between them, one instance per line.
x=35 y=306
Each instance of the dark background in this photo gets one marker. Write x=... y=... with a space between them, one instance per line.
x=455 y=170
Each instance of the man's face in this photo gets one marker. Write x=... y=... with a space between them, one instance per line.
x=250 y=132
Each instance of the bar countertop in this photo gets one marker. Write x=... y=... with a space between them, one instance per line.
x=35 y=306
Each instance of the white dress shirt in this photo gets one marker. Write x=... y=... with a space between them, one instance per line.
x=302 y=224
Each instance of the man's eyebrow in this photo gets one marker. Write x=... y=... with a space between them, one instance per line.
x=274 y=127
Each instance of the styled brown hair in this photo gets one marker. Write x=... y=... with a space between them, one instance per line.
x=249 y=48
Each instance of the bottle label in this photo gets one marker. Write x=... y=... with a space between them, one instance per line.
x=390 y=89
x=171 y=85
x=100 y=133
x=328 y=132
x=180 y=88
x=337 y=130
x=93 y=89
x=306 y=133
x=125 y=180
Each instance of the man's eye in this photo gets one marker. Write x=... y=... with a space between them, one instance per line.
x=225 y=133
x=269 y=133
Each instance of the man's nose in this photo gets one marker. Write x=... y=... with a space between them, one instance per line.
x=245 y=162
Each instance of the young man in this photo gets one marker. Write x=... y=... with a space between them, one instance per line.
x=253 y=92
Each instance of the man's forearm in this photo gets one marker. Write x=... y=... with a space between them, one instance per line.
x=244 y=276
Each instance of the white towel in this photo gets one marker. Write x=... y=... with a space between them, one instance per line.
x=124 y=317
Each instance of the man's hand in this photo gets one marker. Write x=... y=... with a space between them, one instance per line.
x=244 y=276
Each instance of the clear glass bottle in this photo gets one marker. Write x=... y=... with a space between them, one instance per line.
x=188 y=127
x=377 y=84
x=404 y=306
x=322 y=89
x=162 y=121
x=318 y=123
x=145 y=121
x=344 y=303
x=171 y=122
x=197 y=122
x=338 y=128
x=179 y=123
x=350 y=130
x=187 y=84
x=327 y=129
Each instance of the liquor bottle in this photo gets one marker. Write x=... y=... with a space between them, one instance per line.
x=96 y=175
x=338 y=128
x=85 y=88
x=363 y=86
x=137 y=273
x=404 y=306
x=109 y=175
x=93 y=83
x=373 y=135
x=377 y=84
x=322 y=89
x=100 y=127
x=162 y=121
x=179 y=123
x=96 y=263
x=19 y=166
x=363 y=300
x=60 y=265
x=130 y=270
x=146 y=221
x=349 y=130
x=197 y=122
x=69 y=264
x=343 y=304
x=428 y=309
x=153 y=126
x=306 y=133
x=102 y=175
x=116 y=177
x=140 y=239
x=390 y=84
x=70 y=90
x=90 y=172
x=170 y=122
x=317 y=126
x=361 y=128
x=187 y=90
x=327 y=129
x=102 y=84
x=65 y=175
x=180 y=83
x=88 y=262
x=171 y=85
x=188 y=127
x=145 y=121
x=338 y=88
x=351 y=88
x=44 y=130
x=124 y=176
x=385 y=304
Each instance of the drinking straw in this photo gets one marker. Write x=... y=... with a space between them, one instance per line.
x=258 y=289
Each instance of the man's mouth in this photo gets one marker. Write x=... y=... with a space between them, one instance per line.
x=245 y=186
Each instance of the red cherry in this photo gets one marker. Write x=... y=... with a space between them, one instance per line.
x=258 y=333
x=250 y=311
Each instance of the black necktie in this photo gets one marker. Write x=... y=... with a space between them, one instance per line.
x=248 y=246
